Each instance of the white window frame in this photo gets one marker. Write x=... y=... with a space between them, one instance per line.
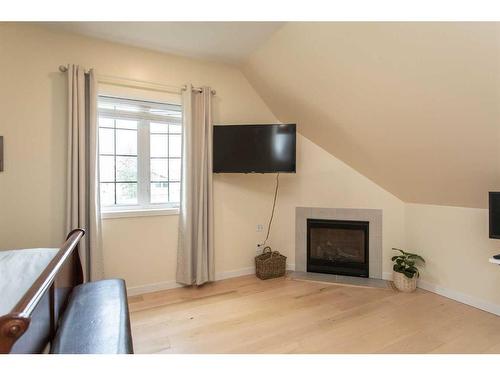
x=144 y=207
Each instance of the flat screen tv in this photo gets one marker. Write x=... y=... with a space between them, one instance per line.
x=494 y=198
x=254 y=148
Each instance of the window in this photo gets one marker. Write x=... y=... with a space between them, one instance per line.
x=140 y=145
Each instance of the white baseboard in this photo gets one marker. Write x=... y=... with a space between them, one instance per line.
x=460 y=297
x=235 y=273
x=165 y=285
x=478 y=303
x=150 y=288
x=387 y=276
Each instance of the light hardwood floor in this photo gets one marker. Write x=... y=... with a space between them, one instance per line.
x=248 y=315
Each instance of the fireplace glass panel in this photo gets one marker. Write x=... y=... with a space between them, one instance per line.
x=338 y=245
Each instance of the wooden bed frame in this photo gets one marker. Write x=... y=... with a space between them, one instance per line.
x=31 y=324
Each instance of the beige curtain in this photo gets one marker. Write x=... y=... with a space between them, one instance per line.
x=195 y=255
x=83 y=206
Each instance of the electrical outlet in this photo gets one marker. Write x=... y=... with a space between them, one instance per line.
x=259 y=228
x=258 y=248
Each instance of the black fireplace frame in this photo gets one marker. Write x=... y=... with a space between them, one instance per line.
x=339 y=268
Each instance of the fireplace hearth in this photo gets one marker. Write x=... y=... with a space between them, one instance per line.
x=339 y=247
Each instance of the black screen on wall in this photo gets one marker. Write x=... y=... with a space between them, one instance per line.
x=494 y=198
x=254 y=148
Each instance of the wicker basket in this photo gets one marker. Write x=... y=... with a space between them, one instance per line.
x=270 y=264
x=403 y=283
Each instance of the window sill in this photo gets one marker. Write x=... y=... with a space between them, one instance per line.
x=139 y=213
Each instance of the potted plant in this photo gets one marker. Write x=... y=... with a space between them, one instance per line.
x=406 y=273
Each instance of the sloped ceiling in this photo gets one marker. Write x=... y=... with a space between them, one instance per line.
x=412 y=106
x=228 y=42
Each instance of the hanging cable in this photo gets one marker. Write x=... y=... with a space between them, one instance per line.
x=274 y=205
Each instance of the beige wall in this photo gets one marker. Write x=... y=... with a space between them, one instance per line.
x=324 y=181
x=415 y=108
x=454 y=241
x=242 y=202
x=32 y=193
x=142 y=250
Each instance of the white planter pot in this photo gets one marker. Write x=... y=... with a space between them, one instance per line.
x=403 y=283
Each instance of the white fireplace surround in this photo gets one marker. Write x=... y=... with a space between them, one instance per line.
x=373 y=216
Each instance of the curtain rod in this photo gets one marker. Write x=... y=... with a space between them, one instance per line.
x=140 y=84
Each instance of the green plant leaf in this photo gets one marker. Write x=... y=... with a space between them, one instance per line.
x=417 y=257
x=408 y=257
x=409 y=274
x=398 y=268
x=395 y=248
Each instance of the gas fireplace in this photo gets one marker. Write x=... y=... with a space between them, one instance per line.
x=338 y=247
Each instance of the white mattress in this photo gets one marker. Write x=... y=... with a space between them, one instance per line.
x=18 y=270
